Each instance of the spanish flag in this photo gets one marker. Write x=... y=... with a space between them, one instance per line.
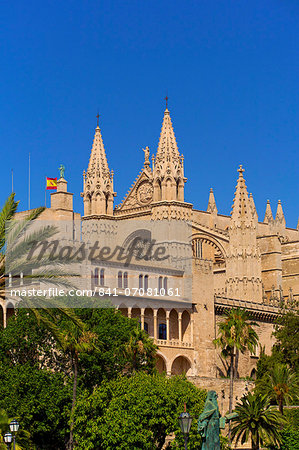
x=51 y=183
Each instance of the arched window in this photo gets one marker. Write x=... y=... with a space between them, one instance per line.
x=145 y=282
x=197 y=248
x=102 y=277
x=162 y=331
x=160 y=281
x=96 y=277
x=140 y=281
x=120 y=279
x=125 y=280
x=146 y=327
x=165 y=284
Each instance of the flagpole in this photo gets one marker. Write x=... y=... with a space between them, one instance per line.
x=29 y=183
x=46 y=193
x=11 y=180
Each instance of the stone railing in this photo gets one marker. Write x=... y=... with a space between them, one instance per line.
x=173 y=343
x=259 y=310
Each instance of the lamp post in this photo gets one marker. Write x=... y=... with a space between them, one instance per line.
x=185 y=421
x=7 y=439
x=14 y=426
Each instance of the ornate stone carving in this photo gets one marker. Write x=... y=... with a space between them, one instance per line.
x=145 y=193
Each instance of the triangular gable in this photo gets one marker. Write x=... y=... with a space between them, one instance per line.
x=140 y=194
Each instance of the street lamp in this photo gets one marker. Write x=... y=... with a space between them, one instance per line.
x=185 y=421
x=7 y=439
x=14 y=426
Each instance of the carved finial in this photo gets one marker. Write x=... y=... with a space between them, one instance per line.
x=98 y=118
x=268 y=214
x=279 y=218
x=241 y=170
x=212 y=203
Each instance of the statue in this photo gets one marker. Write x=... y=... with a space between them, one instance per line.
x=146 y=155
x=210 y=422
x=61 y=170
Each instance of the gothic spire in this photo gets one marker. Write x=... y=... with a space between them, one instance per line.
x=98 y=160
x=253 y=208
x=168 y=165
x=98 y=190
x=167 y=147
x=268 y=214
x=279 y=218
x=241 y=210
x=212 y=208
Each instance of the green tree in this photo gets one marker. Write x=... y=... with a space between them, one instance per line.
x=256 y=420
x=287 y=336
x=235 y=334
x=120 y=347
x=27 y=346
x=135 y=412
x=280 y=384
x=75 y=342
x=23 y=440
x=41 y=400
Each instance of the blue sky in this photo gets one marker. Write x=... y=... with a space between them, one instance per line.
x=230 y=69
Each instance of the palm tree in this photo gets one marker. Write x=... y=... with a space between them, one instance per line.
x=16 y=240
x=75 y=340
x=281 y=384
x=139 y=351
x=17 y=236
x=235 y=334
x=257 y=420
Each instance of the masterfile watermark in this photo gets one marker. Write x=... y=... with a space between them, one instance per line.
x=82 y=263
x=140 y=249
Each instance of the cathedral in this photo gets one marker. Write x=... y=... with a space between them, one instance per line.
x=236 y=260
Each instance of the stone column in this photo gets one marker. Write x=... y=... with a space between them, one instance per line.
x=180 y=327
x=167 y=325
x=4 y=316
x=129 y=312
x=155 y=324
x=142 y=318
x=192 y=328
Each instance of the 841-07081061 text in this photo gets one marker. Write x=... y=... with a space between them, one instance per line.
x=138 y=292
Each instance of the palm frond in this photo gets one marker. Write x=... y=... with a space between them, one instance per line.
x=8 y=211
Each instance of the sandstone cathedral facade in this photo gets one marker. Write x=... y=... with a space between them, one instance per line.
x=237 y=260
